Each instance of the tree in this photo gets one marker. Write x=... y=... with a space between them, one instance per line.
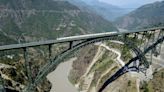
x=129 y=83
x=162 y=75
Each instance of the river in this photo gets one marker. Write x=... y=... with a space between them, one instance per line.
x=59 y=78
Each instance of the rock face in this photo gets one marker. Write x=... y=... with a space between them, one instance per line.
x=146 y=16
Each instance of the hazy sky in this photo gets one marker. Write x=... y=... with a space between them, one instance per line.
x=129 y=3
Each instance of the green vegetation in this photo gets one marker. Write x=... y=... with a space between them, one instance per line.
x=113 y=70
x=145 y=87
x=156 y=84
x=49 y=20
x=6 y=40
x=114 y=45
x=125 y=50
x=85 y=57
x=126 y=53
x=103 y=63
x=162 y=75
x=10 y=27
x=129 y=83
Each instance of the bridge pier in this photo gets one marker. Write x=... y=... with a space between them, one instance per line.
x=27 y=66
x=2 y=88
x=70 y=44
x=161 y=33
x=50 y=51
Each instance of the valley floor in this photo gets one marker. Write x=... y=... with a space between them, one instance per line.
x=130 y=82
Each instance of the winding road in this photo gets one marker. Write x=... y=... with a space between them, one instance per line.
x=115 y=51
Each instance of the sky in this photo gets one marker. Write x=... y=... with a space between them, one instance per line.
x=129 y=3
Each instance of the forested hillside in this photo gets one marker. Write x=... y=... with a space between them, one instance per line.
x=33 y=20
x=146 y=16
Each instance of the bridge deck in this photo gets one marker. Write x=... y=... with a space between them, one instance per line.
x=69 y=39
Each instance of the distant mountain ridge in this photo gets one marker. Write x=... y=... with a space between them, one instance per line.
x=146 y=16
x=108 y=11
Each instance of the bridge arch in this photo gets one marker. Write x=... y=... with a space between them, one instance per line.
x=59 y=58
x=124 y=70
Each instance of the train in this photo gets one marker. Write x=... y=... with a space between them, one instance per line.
x=88 y=36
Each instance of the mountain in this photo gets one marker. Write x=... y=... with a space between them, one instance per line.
x=33 y=20
x=146 y=16
x=107 y=11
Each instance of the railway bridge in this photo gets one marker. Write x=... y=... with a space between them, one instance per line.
x=141 y=42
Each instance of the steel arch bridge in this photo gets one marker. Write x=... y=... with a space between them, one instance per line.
x=151 y=41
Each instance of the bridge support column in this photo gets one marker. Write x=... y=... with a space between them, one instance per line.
x=161 y=33
x=154 y=49
x=142 y=40
x=70 y=44
x=135 y=35
x=28 y=67
x=125 y=37
x=148 y=37
x=50 y=51
x=2 y=88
